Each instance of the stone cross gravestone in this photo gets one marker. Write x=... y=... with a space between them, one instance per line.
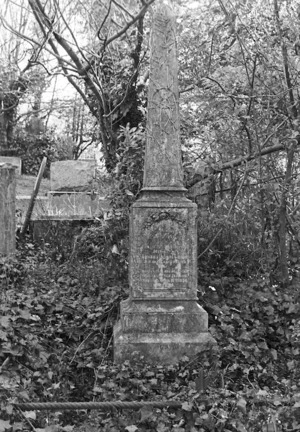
x=162 y=320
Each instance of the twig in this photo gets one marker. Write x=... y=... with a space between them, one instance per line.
x=228 y=214
x=129 y=24
x=5 y=363
x=26 y=419
x=80 y=345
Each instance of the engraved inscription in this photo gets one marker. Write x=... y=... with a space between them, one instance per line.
x=164 y=269
x=161 y=257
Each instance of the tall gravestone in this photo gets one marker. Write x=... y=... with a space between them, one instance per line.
x=7 y=210
x=161 y=320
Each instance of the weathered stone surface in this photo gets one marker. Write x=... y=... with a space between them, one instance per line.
x=14 y=161
x=162 y=320
x=72 y=175
x=7 y=211
x=161 y=348
x=163 y=168
x=163 y=261
x=161 y=316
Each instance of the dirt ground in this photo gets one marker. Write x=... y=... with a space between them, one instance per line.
x=25 y=185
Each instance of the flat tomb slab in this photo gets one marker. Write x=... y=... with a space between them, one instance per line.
x=14 y=161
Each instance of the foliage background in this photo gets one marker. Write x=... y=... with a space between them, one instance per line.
x=239 y=102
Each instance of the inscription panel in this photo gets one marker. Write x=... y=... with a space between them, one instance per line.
x=162 y=261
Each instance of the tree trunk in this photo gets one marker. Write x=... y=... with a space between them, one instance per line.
x=3 y=130
x=283 y=270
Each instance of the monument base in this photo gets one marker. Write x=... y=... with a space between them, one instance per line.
x=160 y=348
x=162 y=320
x=161 y=331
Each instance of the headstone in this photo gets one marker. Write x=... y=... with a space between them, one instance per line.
x=7 y=210
x=12 y=160
x=162 y=320
x=72 y=188
x=72 y=175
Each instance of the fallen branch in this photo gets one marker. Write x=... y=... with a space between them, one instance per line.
x=234 y=163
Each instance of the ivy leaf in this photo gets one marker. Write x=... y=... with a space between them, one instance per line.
x=3 y=335
x=4 y=425
x=240 y=427
x=262 y=393
x=187 y=406
x=25 y=314
x=115 y=250
x=274 y=354
x=30 y=415
x=129 y=193
x=292 y=308
x=18 y=426
x=4 y=321
x=68 y=428
x=242 y=403
x=146 y=413
x=131 y=428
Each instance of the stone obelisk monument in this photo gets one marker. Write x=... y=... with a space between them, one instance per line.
x=161 y=320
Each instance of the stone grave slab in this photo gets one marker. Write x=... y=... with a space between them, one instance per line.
x=14 y=161
x=72 y=175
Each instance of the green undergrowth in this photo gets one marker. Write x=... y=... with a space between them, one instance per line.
x=56 y=327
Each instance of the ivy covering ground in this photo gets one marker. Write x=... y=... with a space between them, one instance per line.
x=56 y=322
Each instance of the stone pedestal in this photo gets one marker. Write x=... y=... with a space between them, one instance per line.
x=162 y=320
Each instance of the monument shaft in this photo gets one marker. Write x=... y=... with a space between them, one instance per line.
x=161 y=320
x=163 y=167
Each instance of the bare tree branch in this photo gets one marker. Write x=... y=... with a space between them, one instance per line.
x=238 y=161
x=129 y=24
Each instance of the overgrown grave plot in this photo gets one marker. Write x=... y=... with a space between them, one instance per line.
x=56 y=328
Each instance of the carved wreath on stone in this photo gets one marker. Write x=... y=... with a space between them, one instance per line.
x=156 y=217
